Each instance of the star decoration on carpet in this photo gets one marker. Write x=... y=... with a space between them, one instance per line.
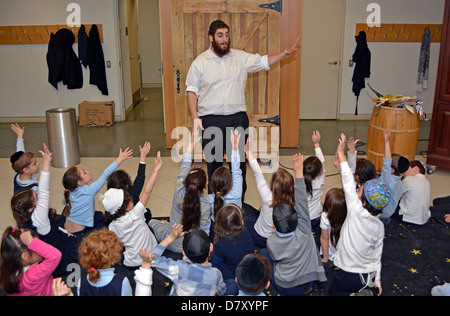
x=447 y=260
x=416 y=252
x=413 y=271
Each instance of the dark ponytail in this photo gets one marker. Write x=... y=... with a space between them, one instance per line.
x=70 y=183
x=194 y=184
x=312 y=167
x=220 y=184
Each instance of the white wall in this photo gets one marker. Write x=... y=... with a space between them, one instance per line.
x=394 y=65
x=150 y=42
x=24 y=87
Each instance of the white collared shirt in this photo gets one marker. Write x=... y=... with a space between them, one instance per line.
x=220 y=83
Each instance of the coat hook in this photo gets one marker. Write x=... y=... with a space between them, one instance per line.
x=374 y=33
x=409 y=36
x=392 y=27
x=404 y=27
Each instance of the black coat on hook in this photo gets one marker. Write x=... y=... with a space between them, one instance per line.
x=63 y=63
x=362 y=58
x=96 y=61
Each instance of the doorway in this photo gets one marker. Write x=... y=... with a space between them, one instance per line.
x=321 y=58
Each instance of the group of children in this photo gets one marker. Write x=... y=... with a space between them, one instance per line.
x=228 y=246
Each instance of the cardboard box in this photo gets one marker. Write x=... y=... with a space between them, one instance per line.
x=96 y=113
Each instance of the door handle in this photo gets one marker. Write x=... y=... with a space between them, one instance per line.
x=334 y=63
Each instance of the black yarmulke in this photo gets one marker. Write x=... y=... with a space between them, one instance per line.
x=16 y=156
x=285 y=218
x=250 y=272
x=403 y=164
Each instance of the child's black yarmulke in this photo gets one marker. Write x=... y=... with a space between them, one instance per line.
x=16 y=156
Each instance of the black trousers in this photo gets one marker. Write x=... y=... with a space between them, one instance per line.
x=216 y=141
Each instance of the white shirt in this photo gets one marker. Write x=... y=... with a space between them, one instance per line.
x=325 y=224
x=416 y=198
x=134 y=234
x=360 y=244
x=220 y=83
x=315 y=200
x=263 y=225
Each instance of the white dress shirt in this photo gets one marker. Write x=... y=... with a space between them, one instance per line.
x=220 y=83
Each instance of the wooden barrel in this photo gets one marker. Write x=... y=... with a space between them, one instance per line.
x=404 y=127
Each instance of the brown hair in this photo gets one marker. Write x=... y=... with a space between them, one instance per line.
x=228 y=222
x=418 y=164
x=21 y=203
x=218 y=24
x=11 y=264
x=312 y=167
x=99 y=250
x=127 y=198
x=365 y=170
x=220 y=184
x=70 y=183
x=194 y=184
x=336 y=209
x=24 y=161
x=282 y=186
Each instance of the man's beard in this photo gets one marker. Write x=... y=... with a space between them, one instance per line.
x=219 y=50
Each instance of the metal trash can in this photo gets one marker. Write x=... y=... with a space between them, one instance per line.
x=63 y=137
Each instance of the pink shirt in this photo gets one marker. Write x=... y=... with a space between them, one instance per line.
x=38 y=279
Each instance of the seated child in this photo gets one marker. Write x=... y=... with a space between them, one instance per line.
x=332 y=220
x=128 y=221
x=314 y=174
x=120 y=179
x=194 y=278
x=79 y=195
x=414 y=206
x=280 y=190
x=292 y=251
x=360 y=247
x=99 y=251
x=24 y=164
x=253 y=275
x=231 y=244
x=190 y=207
x=394 y=166
x=31 y=263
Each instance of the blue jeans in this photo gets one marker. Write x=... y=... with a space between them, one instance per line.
x=300 y=290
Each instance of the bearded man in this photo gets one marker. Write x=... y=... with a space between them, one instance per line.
x=216 y=84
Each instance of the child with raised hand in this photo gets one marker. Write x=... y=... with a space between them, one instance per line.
x=292 y=251
x=362 y=169
x=128 y=220
x=194 y=278
x=190 y=207
x=394 y=166
x=79 y=195
x=99 y=251
x=226 y=185
x=23 y=163
x=361 y=240
x=314 y=174
x=31 y=211
x=27 y=264
x=232 y=242
x=280 y=190
x=120 y=179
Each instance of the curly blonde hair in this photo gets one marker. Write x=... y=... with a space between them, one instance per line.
x=101 y=249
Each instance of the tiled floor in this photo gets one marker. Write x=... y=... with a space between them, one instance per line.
x=145 y=123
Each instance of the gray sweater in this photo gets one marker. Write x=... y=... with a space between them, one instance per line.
x=296 y=258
